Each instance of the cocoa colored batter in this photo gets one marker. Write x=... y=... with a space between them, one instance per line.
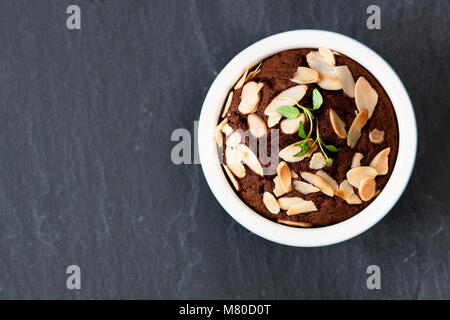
x=276 y=73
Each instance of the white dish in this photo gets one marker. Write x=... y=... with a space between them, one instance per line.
x=307 y=237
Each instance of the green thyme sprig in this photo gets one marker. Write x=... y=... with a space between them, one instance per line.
x=292 y=112
x=328 y=160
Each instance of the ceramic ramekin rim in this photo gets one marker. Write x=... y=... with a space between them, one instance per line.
x=304 y=237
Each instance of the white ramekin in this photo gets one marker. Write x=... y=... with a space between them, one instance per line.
x=313 y=237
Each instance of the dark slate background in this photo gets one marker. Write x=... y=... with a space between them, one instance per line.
x=86 y=177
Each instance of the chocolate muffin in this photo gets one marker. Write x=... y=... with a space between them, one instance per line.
x=309 y=137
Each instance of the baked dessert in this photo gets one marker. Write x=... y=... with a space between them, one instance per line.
x=309 y=137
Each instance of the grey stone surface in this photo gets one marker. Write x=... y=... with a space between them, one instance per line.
x=85 y=171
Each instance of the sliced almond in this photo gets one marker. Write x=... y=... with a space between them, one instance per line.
x=286 y=202
x=290 y=126
x=345 y=190
x=250 y=97
x=227 y=104
x=302 y=207
x=256 y=125
x=287 y=154
x=253 y=73
x=367 y=188
x=305 y=75
x=347 y=193
x=317 y=62
x=376 y=136
x=328 y=56
x=294 y=175
x=355 y=130
x=329 y=83
x=353 y=199
x=273 y=120
x=338 y=125
x=278 y=190
x=354 y=176
x=232 y=178
x=286 y=98
x=234 y=139
x=295 y=223
x=284 y=173
x=317 y=161
x=365 y=96
x=356 y=161
x=325 y=176
x=344 y=74
x=305 y=187
x=318 y=182
x=241 y=81
x=233 y=158
x=271 y=203
x=380 y=162
x=219 y=137
x=250 y=159
x=227 y=129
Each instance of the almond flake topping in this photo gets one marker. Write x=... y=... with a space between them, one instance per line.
x=271 y=203
x=232 y=178
x=250 y=159
x=227 y=104
x=302 y=207
x=219 y=137
x=241 y=81
x=290 y=126
x=355 y=130
x=273 y=120
x=367 y=188
x=338 y=125
x=227 y=129
x=380 y=162
x=344 y=74
x=317 y=161
x=317 y=62
x=250 y=97
x=365 y=96
x=328 y=179
x=318 y=182
x=328 y=56
x=234 y=158
x=294 y=175
x=253 y=73
x=328 y=79
x=295 y=223
x=279 y=190
x=376 y=136
x=354 y=176
x=284 y=173
x=345 y=190
x=285 y=98
x=356 y=161
x=347 y=193
x=305 y=75
x=234 y=139
x=353 y=199
x=287 y=154
x=328 y=82
x=286 y=202
x=304 y=187
x=256 y=125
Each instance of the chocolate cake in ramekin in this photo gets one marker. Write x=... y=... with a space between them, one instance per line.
x=335 y=131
